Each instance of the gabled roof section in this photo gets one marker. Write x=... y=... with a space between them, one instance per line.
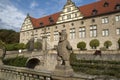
x=45 y=20
x=86 y=11
x=99 y=6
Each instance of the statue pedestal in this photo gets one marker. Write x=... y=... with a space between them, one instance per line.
x=63 y=70
x=63 y=73
x=1 y=62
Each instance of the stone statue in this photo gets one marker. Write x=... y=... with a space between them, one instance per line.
x=30 y=44
x=63 y=50
x=2 y=52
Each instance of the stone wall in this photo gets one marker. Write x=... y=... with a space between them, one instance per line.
x=106 y=55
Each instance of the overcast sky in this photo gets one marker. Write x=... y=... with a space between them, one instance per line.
x=13 y=12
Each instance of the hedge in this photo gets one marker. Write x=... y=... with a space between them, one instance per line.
x=18 y=61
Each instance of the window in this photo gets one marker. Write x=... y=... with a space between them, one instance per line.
x=82 y=22
x=105 y=20
x=94 y=12
x=63 y=26
x=51 y=20
x=93 y=20
x=41 y=35
x=68 y=9
x=118 y=31
x=63 y=17
x=105 y=32
x=35 y=38
x=72 y=24
x=75 y=15
x=55 y=27
x=41 y=24
x=82 y=32
x=117 y=18
x=106 y=4
x=56 y=36
x=93 y=31
x=69 y=16
x=48 y=36
x=72 y=33
x=117 y=7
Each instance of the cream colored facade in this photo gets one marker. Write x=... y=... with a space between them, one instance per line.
x=103 y=27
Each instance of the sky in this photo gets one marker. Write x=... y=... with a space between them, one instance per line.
x=13 y=12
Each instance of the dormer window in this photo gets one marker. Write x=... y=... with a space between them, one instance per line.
x=41 y=24
x=106 y=4
x=94 y=12
x=117 y=7
x=51 y=20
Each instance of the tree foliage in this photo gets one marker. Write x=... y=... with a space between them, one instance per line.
x=2 y=44
x=38 y=45
x=94 y=43
x=9 y=36
x=119 y=43
x=81 y=45
x=107 y=44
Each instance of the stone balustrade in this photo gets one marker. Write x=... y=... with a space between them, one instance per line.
x=15 y=73
x=18 y=73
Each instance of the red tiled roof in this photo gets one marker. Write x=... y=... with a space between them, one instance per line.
x=45 y=20
x=99 y=6
x=86 y=10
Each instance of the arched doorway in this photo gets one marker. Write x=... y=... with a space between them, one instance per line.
x=32 y=63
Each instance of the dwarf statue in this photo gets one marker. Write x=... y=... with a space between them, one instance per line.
x=63 y=50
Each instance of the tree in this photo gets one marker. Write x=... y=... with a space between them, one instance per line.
x=94 y=43
x=119 y=43
x=2 y=44
x=21 y=46
x=81 y=45
x=107 y=44
x=9 y=36
x=38 y=45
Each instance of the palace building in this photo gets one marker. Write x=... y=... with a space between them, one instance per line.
x=99 y=20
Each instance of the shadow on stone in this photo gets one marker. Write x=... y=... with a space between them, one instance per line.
x=32 y=63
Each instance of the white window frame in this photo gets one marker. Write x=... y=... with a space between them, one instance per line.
x=56 y=35
x=118 y=31
x=105 y=32
x=117 y=18
x=105 y=20
x=48 y=36
x=72 y=33
x=93 y=31
x=82 y=32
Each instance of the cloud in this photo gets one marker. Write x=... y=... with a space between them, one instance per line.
x=33 y=4
x=10 y=17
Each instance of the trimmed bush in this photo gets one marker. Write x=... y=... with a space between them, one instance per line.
x=107 y=44
x=81 y=45
x=94 y=43
x=18 y=61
